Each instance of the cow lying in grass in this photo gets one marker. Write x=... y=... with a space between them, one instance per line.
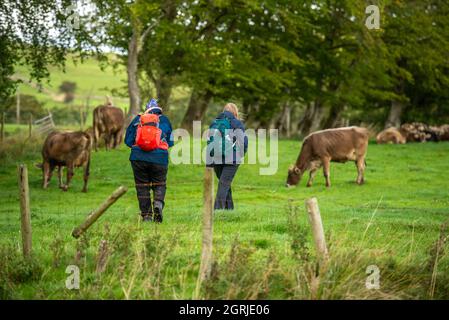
x=321 y=148
x=66 y=149
x=391 y=135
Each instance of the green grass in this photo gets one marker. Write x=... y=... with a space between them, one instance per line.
x=263 y=249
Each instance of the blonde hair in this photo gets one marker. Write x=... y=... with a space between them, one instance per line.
x=232 y=108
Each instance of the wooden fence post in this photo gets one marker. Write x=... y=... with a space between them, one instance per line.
x=95 y=214
x=25 y=210
x=208 y=209
x=30 y=126
x=80 y=109
x=18 y=108
x=2 y=129
x=317 y=227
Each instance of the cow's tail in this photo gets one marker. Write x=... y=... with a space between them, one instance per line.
x=96 y=124
x=89 y=140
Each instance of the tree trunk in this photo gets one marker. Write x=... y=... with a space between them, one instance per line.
x=312 y=118
x=132 y=71
x=199 y=101
x=283 y=123
x=334 y=117
x=394 y=117
x=164 y=89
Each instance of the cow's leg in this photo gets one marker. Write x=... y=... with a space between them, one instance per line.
x=60 y=168
x=118 y=139
x=107 y=138
x=86 y=174
x=312 y=174
x=326 y=170
x=313 y=167
x=96 y=135
x=46 y=174
x=112 y=141
x=360 y=163
x=69 y=176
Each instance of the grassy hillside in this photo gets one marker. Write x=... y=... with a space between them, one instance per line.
x=92 y=80
x=89 y=77
x=263 y=249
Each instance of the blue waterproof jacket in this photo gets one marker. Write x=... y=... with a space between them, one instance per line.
x=157 y=156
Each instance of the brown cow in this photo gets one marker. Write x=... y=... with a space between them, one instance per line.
x=333 y=145
x=391 y=135
x=69 y=149
x=109 y=122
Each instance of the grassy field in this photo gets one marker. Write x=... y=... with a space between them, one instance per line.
x=95 y=81
x=89 y=77
x=263 y=249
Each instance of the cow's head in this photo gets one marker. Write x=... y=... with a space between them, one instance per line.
x=293 y=177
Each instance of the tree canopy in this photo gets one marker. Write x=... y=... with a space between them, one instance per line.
x=314 y=60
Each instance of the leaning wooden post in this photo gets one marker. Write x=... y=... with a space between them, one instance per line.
x=208 y=197
x=94 y=215
x=25 y=215
x=317 y=227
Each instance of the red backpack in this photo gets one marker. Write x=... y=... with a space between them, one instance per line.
x=148 y=135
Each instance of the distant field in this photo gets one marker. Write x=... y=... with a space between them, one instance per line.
x=263 y=249
x=89 y=78
x=92 y=80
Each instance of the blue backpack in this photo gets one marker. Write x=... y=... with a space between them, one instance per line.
x=221 y=129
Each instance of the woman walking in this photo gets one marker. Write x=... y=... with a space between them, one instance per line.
x=227 y=145
x=148 y=136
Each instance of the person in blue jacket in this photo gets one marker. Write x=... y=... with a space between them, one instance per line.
x=150 y=167
x=231 y=150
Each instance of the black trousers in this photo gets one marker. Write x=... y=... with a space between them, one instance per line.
x=149 y=176
x=225 y=174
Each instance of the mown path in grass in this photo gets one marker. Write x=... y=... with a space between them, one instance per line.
x=398 y=212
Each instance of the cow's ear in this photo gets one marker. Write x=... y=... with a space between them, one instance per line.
x=297 y=171
x=291 y=168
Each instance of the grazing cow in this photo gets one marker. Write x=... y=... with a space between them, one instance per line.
x=333 y=145
x=69 y=149
x=391 y=135
x=109 y=122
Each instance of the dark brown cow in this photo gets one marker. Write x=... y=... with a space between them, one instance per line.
x=391 y=135
x=66 y=149
x=333 y=145
x=108 y=122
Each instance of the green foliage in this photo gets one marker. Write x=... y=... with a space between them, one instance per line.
x=26 y=39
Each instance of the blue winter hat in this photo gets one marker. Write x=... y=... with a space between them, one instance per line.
x=152 y=104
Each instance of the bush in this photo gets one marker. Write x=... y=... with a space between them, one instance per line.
x=14 y=269
x=68 y=88
x=66 y=115
x=29 y=106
